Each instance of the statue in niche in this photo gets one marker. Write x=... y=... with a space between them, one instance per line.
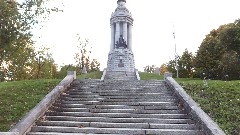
x=121 y=43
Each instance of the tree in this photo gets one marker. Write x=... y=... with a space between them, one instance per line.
x=163 y=69
x=230 y=37
x=43 y=66
x=17 y=54
x=64 y=69
x=82 y=57
x=207 y=59
x=213 y=56
x=185 y=65
x=95 y=66
x=230 y=66
x=171 y=66
x=15 y=40
x=150 y=69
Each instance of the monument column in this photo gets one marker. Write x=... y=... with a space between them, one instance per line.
x=125 y=31
x=112 y=37
x=130 y=37
x=117 y=31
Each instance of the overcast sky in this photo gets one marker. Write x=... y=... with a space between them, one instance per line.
x=154 y=23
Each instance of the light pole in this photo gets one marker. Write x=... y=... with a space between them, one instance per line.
x=175 y=51
x=38 y=58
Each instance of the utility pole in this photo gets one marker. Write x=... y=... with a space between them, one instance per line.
x=175 y=51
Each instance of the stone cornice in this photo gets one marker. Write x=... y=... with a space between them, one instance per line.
x=122 y=19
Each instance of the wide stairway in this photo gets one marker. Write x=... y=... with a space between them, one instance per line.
x=116 y=107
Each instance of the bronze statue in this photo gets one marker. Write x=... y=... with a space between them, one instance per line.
x=121 y=42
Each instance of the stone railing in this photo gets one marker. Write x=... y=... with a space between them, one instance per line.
x=207 y=124
x=104 y=74
x=26 y=122
x=137 y=74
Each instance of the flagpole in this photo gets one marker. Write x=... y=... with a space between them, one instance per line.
x=175 y=51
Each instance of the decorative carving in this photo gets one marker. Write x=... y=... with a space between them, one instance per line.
x=121 y=19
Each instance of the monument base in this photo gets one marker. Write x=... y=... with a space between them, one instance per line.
x=121 y=60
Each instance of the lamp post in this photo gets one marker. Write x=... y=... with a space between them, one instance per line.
x=40 y=64
x=175 y=51
x=84 y=70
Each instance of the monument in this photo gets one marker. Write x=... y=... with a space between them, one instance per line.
x=120 y=57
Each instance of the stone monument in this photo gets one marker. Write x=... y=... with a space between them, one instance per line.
x=120 y=57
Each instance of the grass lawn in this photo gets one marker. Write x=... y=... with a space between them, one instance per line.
x=92 y=75
x=220 y=100
x=19 y=97
x=150 y=76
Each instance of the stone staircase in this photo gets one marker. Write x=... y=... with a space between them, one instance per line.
x=116 y=107
x=120 y=75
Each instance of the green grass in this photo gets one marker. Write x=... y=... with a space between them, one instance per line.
x=220 y=100
x=150 y=76
x=91 y=75
x=17 y=98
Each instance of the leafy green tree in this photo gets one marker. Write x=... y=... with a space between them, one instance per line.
x=230 y=37
x=15 y=39
x=230 y=66
x=17 y=54
x=64 y=69
x=218 y=52
x=207 y=60
x=185 y=65
x=46 y=67
x=171 y=66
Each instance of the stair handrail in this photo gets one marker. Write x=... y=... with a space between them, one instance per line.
x=27 y=121
x=206 y=123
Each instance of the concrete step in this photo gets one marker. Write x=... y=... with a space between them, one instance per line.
x=117 y=103
x=119 y=99
x=96 y=96
x=115 y=107
x=118 y=125
x=55 y=133
x=118 y=92
x=87 y=130
x=119 y=115
x=90 y=130
x=138 y=111
x=119 y=120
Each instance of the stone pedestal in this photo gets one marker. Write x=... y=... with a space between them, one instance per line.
x=121 y=60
